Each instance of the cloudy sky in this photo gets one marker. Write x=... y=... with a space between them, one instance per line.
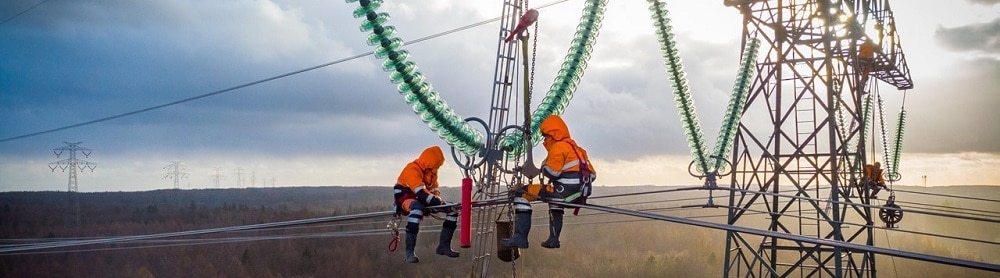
x=68 y=62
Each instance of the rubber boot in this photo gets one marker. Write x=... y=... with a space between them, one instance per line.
x=555 y=228
x=522 y=225
x=411 y=243
x=444 y=244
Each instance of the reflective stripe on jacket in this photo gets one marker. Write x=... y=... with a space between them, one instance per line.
x=562 y=165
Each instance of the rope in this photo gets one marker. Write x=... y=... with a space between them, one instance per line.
x=393 y=227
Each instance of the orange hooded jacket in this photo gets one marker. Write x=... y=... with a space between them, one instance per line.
x=420 y=176
x=562 y=150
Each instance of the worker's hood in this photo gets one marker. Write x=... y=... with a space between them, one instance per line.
x=554 y=127
x=431 y=158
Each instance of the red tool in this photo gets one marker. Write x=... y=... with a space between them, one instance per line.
x=527 y=19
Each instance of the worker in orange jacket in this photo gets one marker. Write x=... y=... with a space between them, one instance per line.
x=873 y=178
x=570 y=174
x=415 y=191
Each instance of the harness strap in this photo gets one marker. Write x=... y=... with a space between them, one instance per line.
x=585 y=180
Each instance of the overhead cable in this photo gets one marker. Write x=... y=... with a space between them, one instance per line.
x=861 y=205
x=220 y=230
x=24 y=11
x=797 y=238
x=946 y=195
x=874 y=227
x=242 y=85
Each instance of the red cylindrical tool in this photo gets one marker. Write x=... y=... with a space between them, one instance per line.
x=466 y=213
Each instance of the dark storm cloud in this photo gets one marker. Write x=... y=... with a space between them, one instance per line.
x=983 y=37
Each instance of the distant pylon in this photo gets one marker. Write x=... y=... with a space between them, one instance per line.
x=175 y=170
x=239 y=177
x=216 y=177
x=72 y=163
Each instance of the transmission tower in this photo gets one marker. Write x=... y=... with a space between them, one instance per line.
x=239 y=177
x=801 y=145
x=72 y=163
x=175 y=171
x=216 y=177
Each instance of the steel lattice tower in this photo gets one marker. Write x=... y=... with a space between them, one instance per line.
x=72 y=163
x=175 y=171
x=216 y=177
x=801 y=144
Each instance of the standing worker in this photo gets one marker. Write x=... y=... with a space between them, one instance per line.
x=417 y=189
x=570 y=174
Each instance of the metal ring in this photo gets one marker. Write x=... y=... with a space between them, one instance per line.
x=893 y=177
x=731 y=166
x=692 y=173
x=500 y=135
x=470 y=165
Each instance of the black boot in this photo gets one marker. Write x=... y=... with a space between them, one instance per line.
x=522 y=225
x=444 y=244
x=555 y=228
x=411 y=243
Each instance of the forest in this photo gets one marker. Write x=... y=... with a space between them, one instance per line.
x=594 y=244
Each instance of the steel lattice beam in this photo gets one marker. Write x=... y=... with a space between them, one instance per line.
x=802 y=133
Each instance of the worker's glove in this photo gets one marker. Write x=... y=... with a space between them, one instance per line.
x=445 y=207
x=435 y=201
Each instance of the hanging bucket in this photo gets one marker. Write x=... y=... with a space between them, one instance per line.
x=505 y=229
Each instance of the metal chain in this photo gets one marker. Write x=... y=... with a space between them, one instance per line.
x=534 y=48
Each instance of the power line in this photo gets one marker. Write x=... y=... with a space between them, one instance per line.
x=191 y=242
x=874 y=227
x=195 y=232
x=861 y=205
x=65 y=239
x=433 y=36
x=955 y=210
x=646 y=214
x=796 y=238
x=226 y=229
x=689 y=188
x=946 y=195
x=242 y=85
x=24 y=11
x=984 y=212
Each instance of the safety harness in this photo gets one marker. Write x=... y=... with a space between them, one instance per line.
x=585 y=182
